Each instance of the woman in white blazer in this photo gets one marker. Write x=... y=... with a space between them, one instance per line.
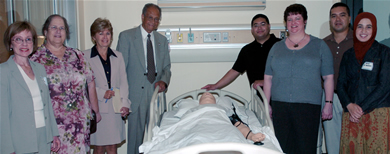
x=27 y=121
x=109 y=69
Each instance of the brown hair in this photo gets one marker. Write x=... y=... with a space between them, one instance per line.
x=46 y=25
x=99 y=25
x=295 y=9
x=16 y=28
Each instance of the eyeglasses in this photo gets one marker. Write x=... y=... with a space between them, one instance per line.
x=257 y=25
x=19 y=40
x=55 y=28
x=154 y=19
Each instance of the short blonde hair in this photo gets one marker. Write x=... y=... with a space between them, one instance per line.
x=99 y=25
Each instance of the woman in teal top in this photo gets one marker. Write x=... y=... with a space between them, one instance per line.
x=294 y=69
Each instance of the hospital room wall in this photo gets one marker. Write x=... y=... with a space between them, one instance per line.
x=125 y=14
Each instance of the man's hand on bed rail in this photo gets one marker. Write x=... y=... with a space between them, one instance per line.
x=228 y=78
x=210 y=87
x=162 y=85
x=327 y=111
x=258 y=83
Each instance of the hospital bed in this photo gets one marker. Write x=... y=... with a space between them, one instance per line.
x=163 y=117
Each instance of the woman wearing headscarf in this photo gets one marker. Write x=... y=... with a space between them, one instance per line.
x=364 y=91
x=71 y=84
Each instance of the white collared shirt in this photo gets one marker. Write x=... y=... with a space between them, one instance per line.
x=144 y=41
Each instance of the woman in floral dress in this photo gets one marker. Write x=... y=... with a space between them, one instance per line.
x=68 y=75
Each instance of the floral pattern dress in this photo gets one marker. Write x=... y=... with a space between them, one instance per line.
x=67 y=78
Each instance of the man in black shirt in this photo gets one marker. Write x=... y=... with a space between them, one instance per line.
x=252 y=56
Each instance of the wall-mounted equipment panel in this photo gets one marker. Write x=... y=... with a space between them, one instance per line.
x=210 y=43
x=213 y=34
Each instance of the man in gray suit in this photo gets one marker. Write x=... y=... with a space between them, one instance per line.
x=148 y=65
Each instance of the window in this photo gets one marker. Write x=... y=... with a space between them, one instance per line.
x=36 y=12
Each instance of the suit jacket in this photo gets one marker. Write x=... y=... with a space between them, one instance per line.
x=118 y=79
x=130 y=44
x=18 y=131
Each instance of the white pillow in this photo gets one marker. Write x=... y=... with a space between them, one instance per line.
x=184 y=105
x=226 y=103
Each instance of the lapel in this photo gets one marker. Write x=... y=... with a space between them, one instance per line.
x=41 y=80
x=114 y=69
x=139 y=46
x=16 y=74
x=157 y=44
x=95 y=61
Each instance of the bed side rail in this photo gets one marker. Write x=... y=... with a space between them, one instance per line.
x=195 y=93
x=261 y=107
x=157 y=108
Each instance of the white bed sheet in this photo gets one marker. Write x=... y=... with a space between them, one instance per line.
x=167 y=137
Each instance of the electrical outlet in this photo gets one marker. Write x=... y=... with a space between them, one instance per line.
x=282 y=34
x=225 y=37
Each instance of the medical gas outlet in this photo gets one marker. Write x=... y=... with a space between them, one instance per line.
x=190 y=37
x=168 y=35
x=179 y=37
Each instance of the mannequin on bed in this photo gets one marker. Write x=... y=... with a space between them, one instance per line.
x=208 y=98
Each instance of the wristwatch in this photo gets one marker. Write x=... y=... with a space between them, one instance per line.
x=331 y=102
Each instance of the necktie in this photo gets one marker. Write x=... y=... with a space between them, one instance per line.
x=150 y=57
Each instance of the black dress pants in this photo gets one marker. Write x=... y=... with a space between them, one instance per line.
x=296 y=126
